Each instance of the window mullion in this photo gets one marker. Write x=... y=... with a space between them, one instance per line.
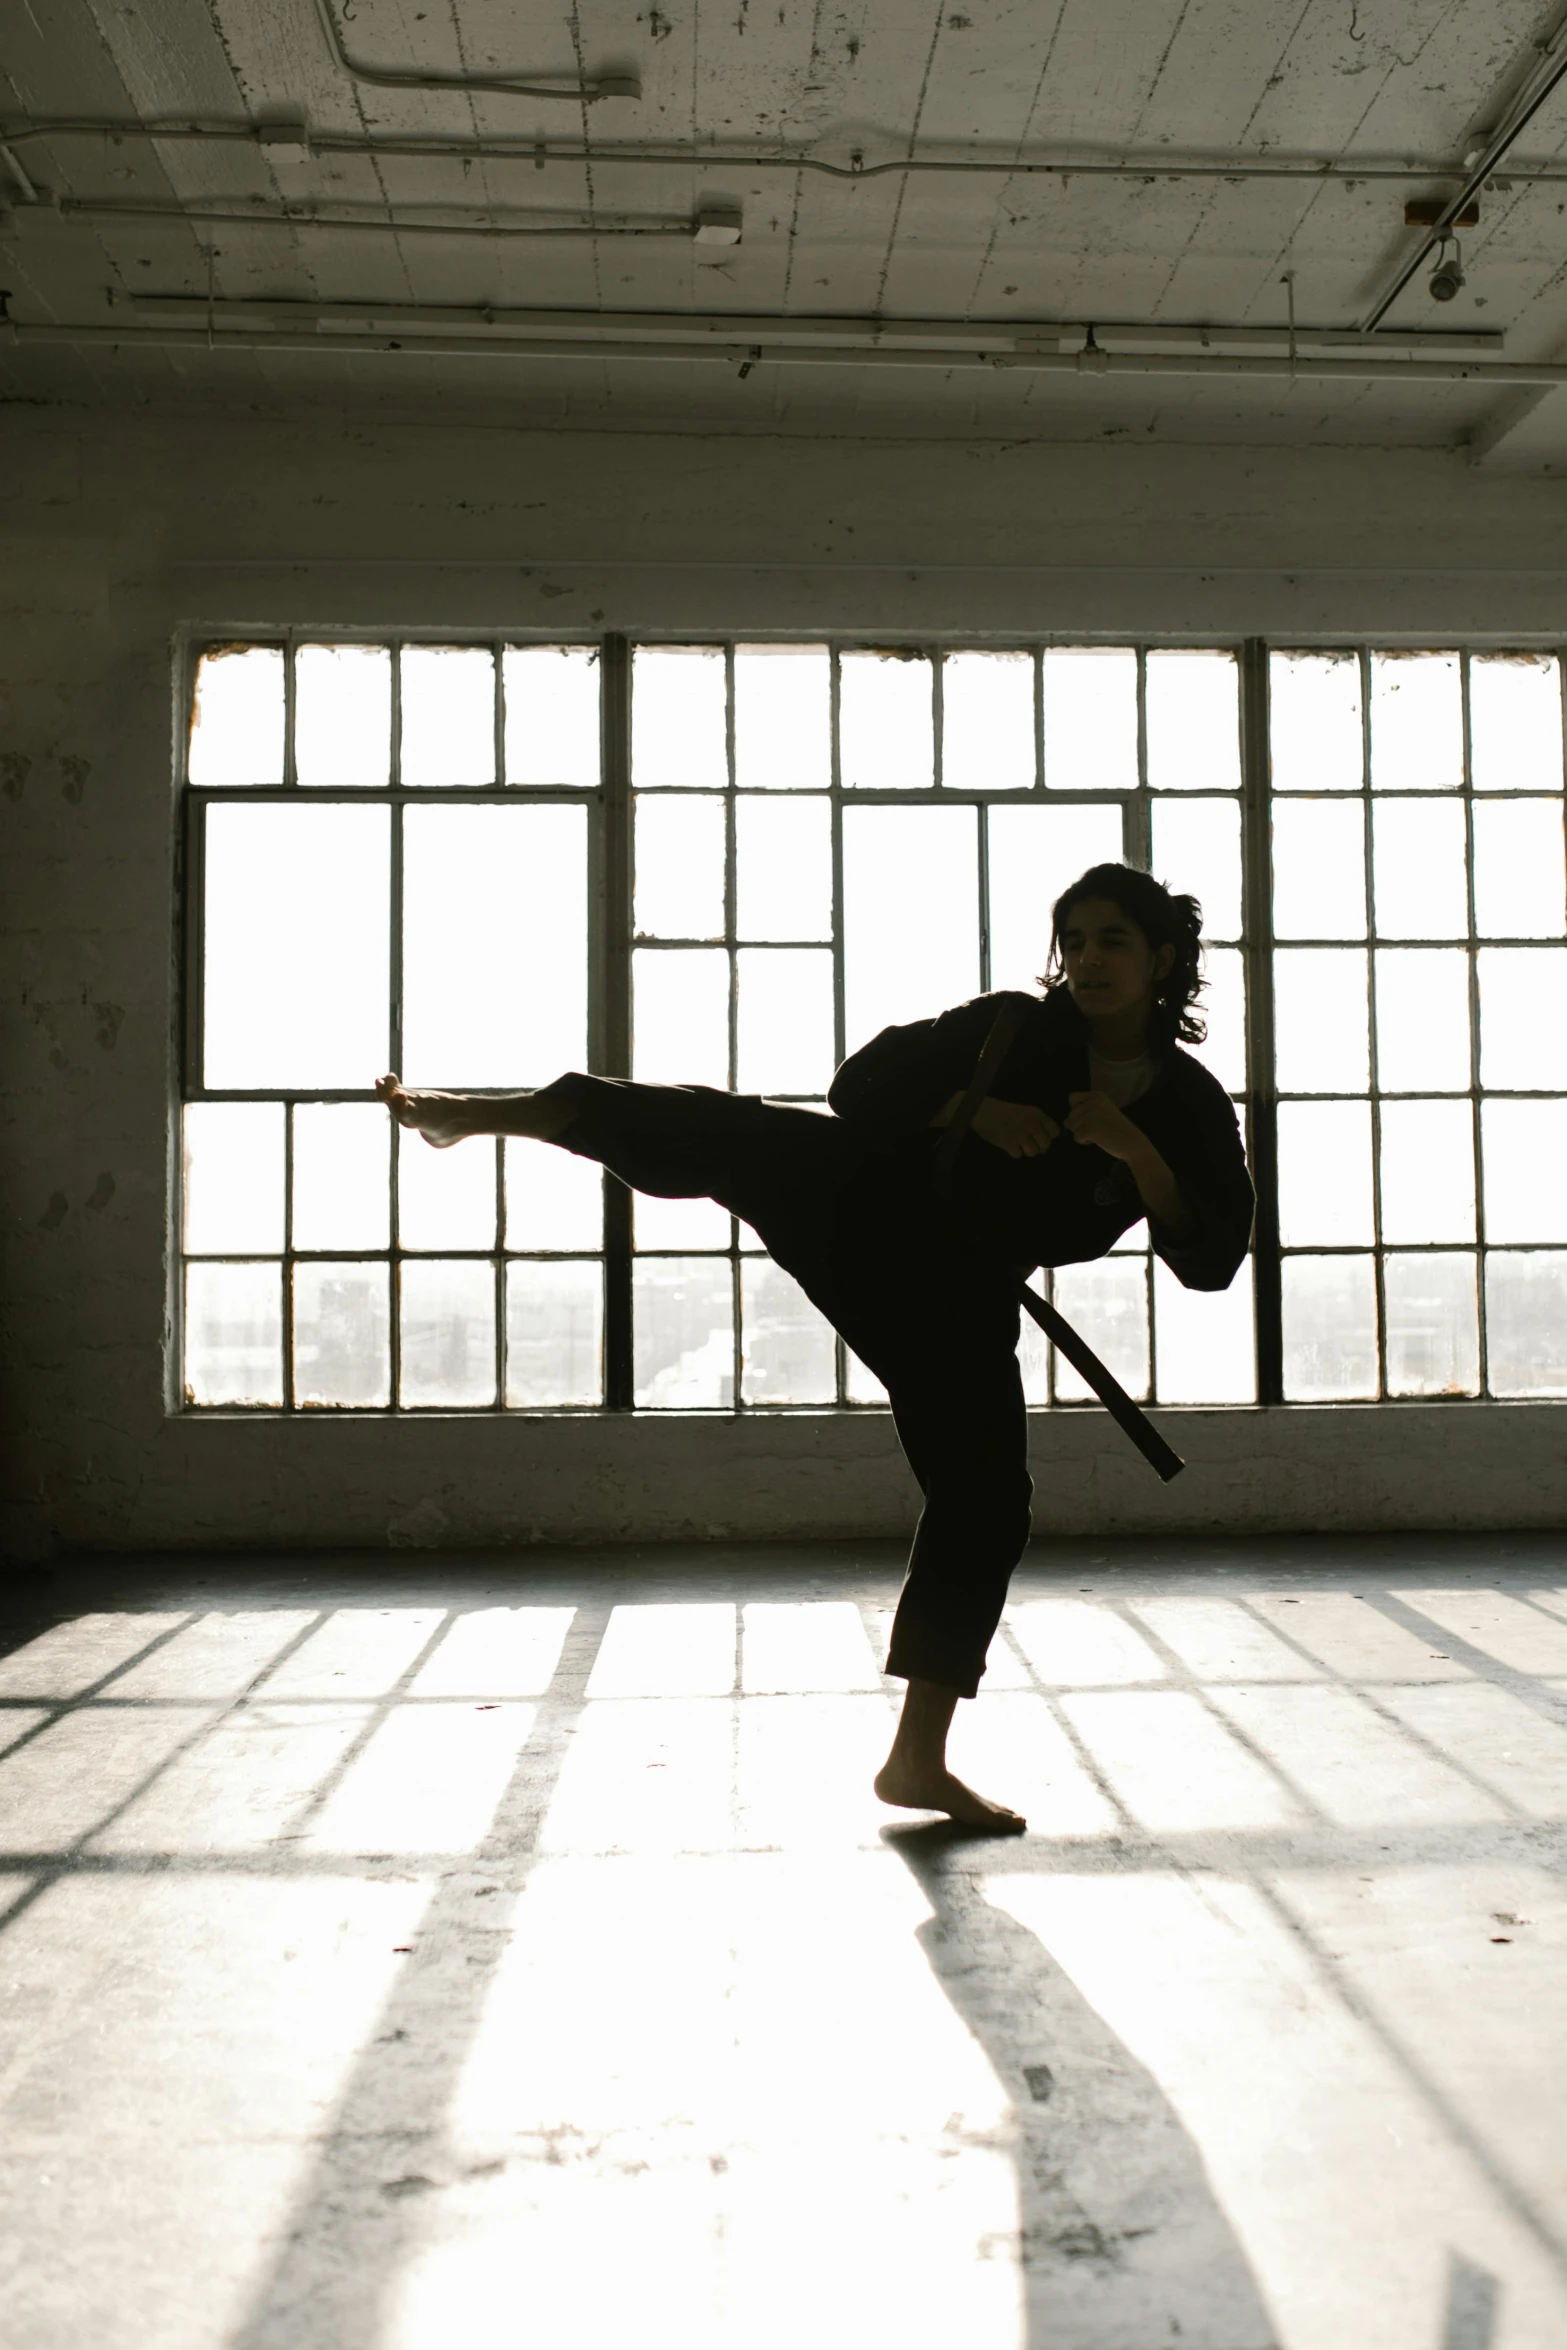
x=613 y=1038
x=1261 y=1080
x=395 y=1035
x=1368 y=851
x=290 y=1396
x=839 y=1046
x=1476 y=1122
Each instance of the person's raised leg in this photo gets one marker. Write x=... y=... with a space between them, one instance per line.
x=445 y=1118
x=915 y=1774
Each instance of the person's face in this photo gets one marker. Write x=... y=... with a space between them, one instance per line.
x=1110 y=967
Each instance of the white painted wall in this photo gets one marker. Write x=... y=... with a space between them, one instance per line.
x=117 y=532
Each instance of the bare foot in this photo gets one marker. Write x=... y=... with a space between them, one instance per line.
x=914 y=1789
x=442 y=1118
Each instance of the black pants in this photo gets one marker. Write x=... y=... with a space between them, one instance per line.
x=936 y=1323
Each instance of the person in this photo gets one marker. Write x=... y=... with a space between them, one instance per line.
x=1095 y=1119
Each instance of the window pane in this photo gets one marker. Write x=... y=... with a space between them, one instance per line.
x=683 y=1334
x=1428 y=1175
x=552 y=714
x=233 y=1334
x=1526 y=1322
x=679 y=867
x=296 y=935
x=1194 y=725
x=1036 y=853
x=1320 y=1020
x=495 y=904
x=1420 y=883
x=679 y=1223
x=1319 y=869
x=445 y=1198
x=1519 y=869
x=1515 y=722
x=1417 y=735
x=342 y=1335
x=1108 y=1304
x=1223 y=1008
x=885 y=724
x=1423 y=1020
x=1525 y=1150
x=1197 y=848
x=553 y=1199
x=987 y=722
x=1315 y=728
x=343 y=716
x=342 y=1196
x=233 y=1177
x=911 y=914
x=1433 y=1337
x=783 y=717
x=448 y=714
x=1330 y=1329
x=679 y=716
x=554 y=1335
x=1090 y=718
x=1523 y=1018
x=783 y=868
x=788 y=1355
x=1325 y=1174
x=1033 y=1359
x=237 y=717
x=448 y=1333
x=680 y=1026
x=1204 y=1347
x=785 y=1020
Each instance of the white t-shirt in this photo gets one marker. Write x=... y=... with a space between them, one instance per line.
x=1123 y=1081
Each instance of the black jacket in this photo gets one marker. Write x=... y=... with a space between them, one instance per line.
x=1074 y=1203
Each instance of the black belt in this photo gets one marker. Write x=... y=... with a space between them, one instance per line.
x=1161 y=1457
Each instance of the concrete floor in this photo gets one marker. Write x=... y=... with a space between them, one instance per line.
x=496 y=1952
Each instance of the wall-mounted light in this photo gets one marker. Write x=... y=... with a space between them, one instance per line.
x=718 y=224
x=1447 y=278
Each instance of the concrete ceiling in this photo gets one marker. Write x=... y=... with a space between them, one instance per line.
x=1305 y=129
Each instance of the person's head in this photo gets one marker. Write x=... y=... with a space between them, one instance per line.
x=1121 y=942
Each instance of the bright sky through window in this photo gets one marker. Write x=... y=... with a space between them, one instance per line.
x=400 y=854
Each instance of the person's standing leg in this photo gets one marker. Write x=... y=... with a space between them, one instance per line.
x=957 y=1398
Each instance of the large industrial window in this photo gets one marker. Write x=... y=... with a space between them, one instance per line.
x=1420 y=1023
x=730 y=864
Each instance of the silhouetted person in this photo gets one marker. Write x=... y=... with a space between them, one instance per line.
x=1094 y=1120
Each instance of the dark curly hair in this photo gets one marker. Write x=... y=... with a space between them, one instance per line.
x=1166 y=918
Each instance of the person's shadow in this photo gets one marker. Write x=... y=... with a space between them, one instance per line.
x=1122 y=2241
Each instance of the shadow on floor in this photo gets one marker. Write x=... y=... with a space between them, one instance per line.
x=1122 y=2241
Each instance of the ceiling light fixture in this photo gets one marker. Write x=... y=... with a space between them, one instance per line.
x=1447 y=278
x=718 y=224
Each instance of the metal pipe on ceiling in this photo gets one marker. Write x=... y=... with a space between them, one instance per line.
x=1154 y=167
x=1092 y=360
x=842 y=332
x=525 y=225
x=571 y=87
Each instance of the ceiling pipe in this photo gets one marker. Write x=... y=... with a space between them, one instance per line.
x=1514 y=122
x=1155 y=166
x=843 y=335
x=521 y=225
x=745 y=354
x=387 y=77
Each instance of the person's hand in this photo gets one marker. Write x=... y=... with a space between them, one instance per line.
x=1017 y=1128
x=1093 y=1117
